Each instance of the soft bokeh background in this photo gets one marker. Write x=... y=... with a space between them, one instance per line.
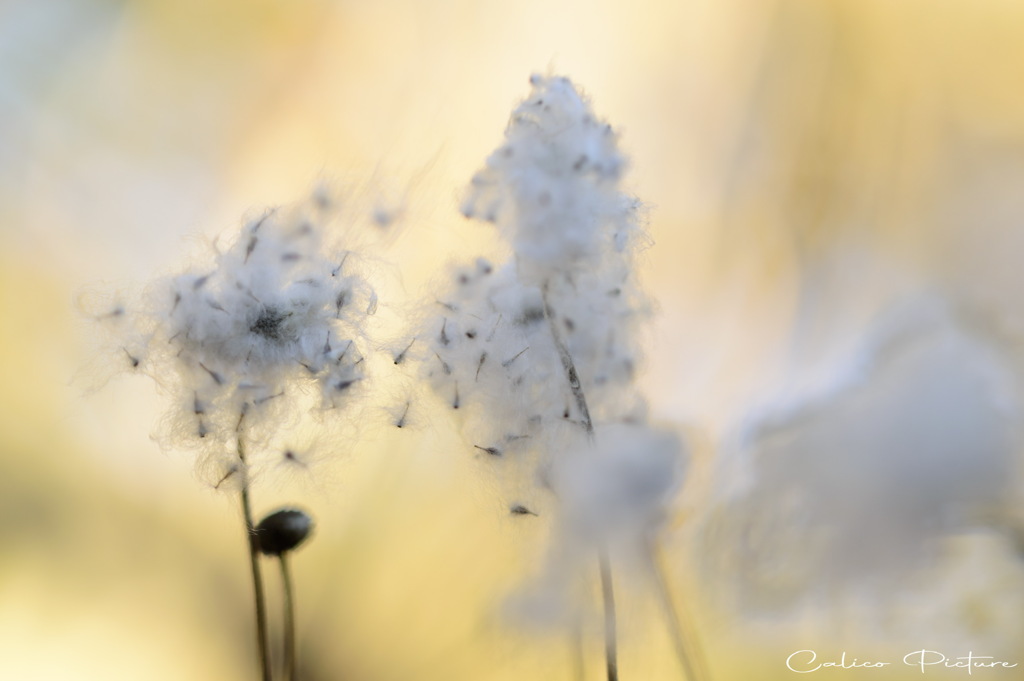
x=807 y=162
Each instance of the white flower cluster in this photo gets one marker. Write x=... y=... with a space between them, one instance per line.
x=539 y=354
x=266 y=334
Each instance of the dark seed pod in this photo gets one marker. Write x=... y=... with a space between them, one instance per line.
x=282 y=531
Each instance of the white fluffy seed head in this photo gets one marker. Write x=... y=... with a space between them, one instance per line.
x=860 y=483
x=498 y=348
x=268 y=331
x=553 y=187
x=554 y=191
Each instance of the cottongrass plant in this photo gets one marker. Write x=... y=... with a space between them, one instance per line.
x=256 y=348
x=538 y=355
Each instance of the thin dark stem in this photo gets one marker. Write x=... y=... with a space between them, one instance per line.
x=257 y=577
x=608 y=594
x=687 y=650
x=604 y=563
x=289 y=620
x=568 y=365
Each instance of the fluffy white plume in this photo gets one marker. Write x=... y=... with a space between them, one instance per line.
x=619 y=487
x=268 y=332
x=538 y=355
x=553 y=187
x=860 y=481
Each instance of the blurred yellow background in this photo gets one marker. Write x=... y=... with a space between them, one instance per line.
x=776 y=142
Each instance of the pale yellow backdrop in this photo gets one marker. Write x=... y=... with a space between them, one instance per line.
x=770 y=138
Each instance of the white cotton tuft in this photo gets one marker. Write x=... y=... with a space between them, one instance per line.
x=862 y=482
x=553 y=187
x=248 y=345
x=536 y=358
x=493 y=346
x=620 y=486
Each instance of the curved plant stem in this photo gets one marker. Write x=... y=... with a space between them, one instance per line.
x=257 y=577
x=687 y=649
x=569 y=365
x=608 y=594
x=289 y=619
x=604 y=563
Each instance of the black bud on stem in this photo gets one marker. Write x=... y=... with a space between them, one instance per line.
x=282 y=531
